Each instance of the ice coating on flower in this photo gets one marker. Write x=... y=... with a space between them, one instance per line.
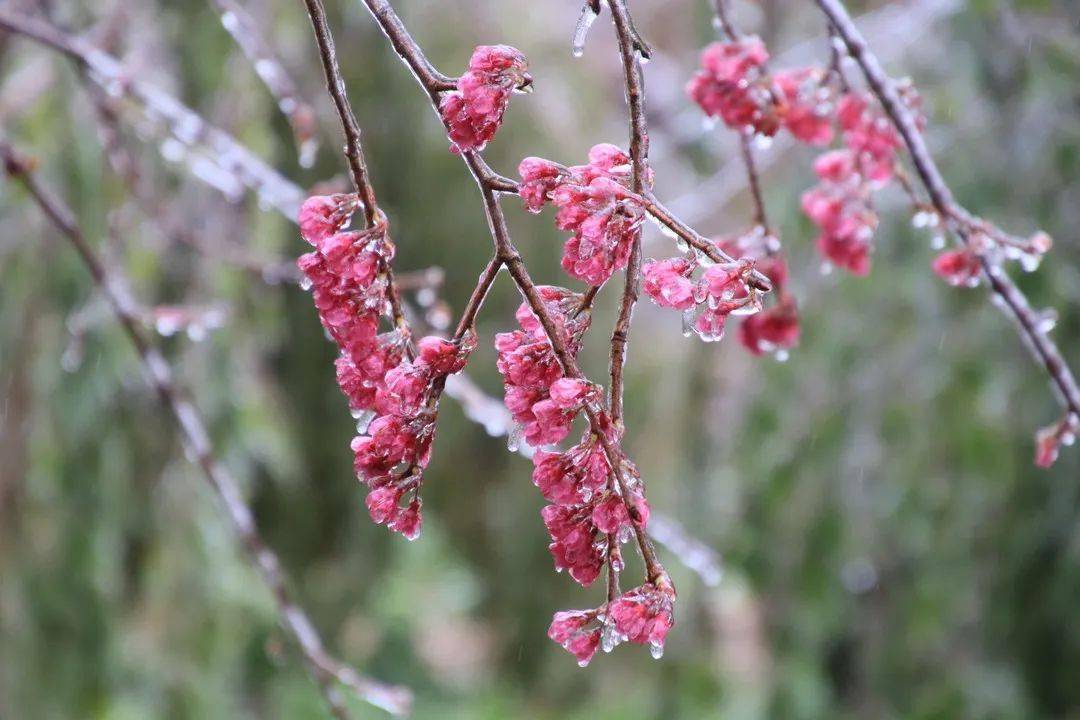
x=594 y=204
x=959 y=268
x=668 y=283
x=394 y=396
x=474 y=111
x=732 y=85
x=721 y=290
x=644 y=615
x=776 y=328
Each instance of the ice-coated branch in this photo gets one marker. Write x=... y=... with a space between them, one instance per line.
x=410 y=52
x=245 y=31
x=326 y=670
x=639 y=156
x=1010 y=298
x=226 y=164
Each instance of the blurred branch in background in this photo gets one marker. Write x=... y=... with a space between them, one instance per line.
x=325 y=669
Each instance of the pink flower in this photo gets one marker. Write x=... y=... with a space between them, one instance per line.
x=572 y=477
x=668 y=283
x=959 y=268
x=870 y=135
x=567 y=623
x=583 y=646
x=594 y=204
x=840 y=206
x=531 y=371
x=772 y=329
x=644 y=614
x=1048 y=440
x=732 y=85
x=324 y=215
x=409 y=521
x=805 y=110
x=538 y=178
x=574 y=543
x=382 y=503
x=610 y=515
x=568 y=393
x=473 y=113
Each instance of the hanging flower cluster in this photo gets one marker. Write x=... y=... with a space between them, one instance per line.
x=593 y=510
x=776 y=328
x=721 y=290
x=595 y=204
x=393 y=397
x=813 y=105
x=734 y=86
x=473 y=113
x=642 y=615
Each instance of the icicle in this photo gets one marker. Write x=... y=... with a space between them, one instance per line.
x=656 y=650
x=581 y=30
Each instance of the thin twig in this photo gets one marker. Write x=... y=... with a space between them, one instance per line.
x=1012 y=301
x=230 y=158
x=245 y=31
x=324 y=669
x=639 y=159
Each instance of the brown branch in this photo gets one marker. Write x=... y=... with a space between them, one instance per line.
x=1012 y=300
x=354 y=151
x=698 y=241
x=639 y=159
x=409 y=51
x=324 y=669
x=761 y=218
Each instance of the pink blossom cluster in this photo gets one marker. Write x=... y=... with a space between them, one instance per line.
x=642 y=615
x=841 y=204
x=473 y=113
x=542 y=401
x=842 y=207
x=720 y=291
x=396 y=396
x=591 y=510
x=594 y=203
x=776 y=328
x=734 y=85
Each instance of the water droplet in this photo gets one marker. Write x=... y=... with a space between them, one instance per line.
x=363 y=419
x=782 y=355
x=656 y=650
x=937 y=242
x=1046 y=320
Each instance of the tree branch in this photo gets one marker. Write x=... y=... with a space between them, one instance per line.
x=323 y=668
x=1012 y=301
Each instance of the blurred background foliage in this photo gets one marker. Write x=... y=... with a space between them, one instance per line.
x=889 y=550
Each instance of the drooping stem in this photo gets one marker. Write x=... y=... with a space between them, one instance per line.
x=1012 y=301
x=324 y=669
